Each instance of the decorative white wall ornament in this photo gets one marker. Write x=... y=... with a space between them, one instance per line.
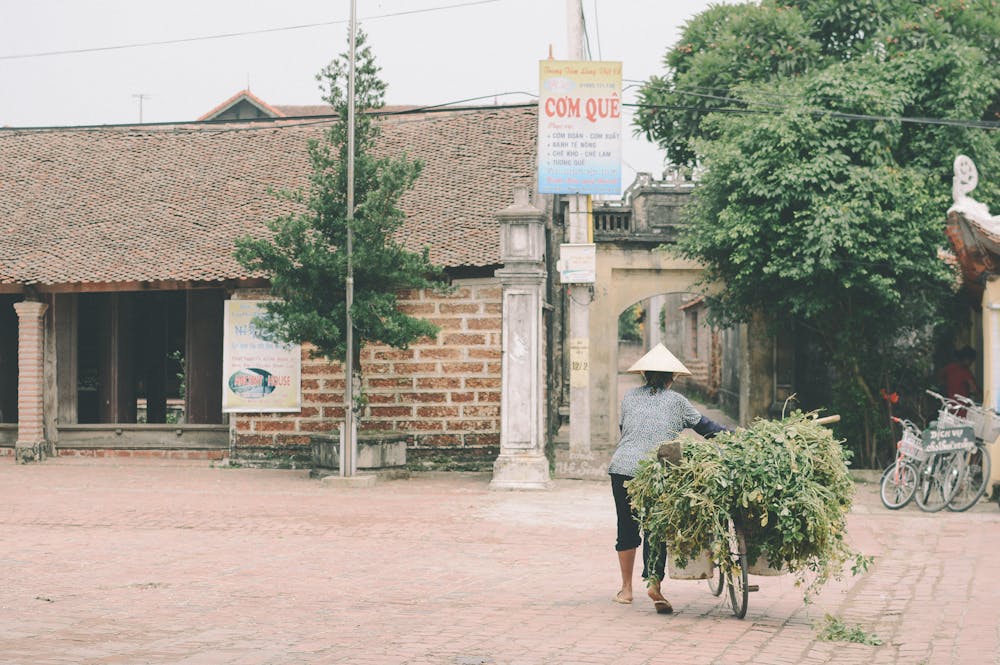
x=964 y=181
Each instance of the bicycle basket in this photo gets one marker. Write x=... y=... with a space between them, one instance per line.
x=912 y=446
x=985 y=423
x=946 y=420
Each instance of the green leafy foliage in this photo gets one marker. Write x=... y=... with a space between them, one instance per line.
x=305 y=255
x=630 y=324
x=835 y=630
x=784 y=484
x=819 y=208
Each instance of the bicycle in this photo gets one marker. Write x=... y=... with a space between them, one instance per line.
x=967 y=464
x=899 y=480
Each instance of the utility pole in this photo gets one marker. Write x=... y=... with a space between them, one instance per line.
x=348 y=458
x=580 y=295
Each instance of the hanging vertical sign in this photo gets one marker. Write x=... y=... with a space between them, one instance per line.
x=258 y=375
x=579 y=127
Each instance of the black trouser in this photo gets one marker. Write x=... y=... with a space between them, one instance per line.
x=628 y=528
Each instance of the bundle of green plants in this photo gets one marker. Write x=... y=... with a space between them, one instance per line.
x=783 y=484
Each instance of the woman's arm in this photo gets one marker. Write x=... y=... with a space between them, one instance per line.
x=709 y=428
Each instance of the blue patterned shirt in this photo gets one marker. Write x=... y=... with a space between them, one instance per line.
x=647 y=420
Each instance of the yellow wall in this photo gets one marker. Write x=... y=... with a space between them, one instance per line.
x=991 y=363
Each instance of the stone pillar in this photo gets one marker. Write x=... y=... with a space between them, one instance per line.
x=522 y=463
x=31 y=445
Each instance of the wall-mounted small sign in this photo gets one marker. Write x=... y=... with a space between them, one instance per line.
x=577 y=263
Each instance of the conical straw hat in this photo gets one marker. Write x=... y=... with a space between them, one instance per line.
x=659 y=359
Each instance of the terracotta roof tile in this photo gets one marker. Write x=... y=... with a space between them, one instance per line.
x=161 y=203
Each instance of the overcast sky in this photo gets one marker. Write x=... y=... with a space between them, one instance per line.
x=467 y=49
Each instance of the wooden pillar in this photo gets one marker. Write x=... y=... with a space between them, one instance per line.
x=31 y=445
x=203 y=357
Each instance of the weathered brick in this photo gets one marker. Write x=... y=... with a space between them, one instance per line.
x=381 y=398
x=376 y=426
x=460 y=308
x=482 y=382
x=462 y=368
x=253 y=440
x=333 y=412
x=439 y=353
x=494 y=368
x=275 y=426
x=488 y=396
x=462 y=397
x=322 y=398
x=463 y=293
x=481 y=411
x=484 y=324
x=420 y=425
x=438 y=382
x=469 y=425
x=414 y=368
x=317 y=426
x=394 y=354
x=453 y=323
x=391 y=382
x=485 y=353
x=493 y=308
x=464 y=339
x=391 y=411
x=482 y=439
x=424 y=398
x=337 y=383
x=488 y=293
x=417 y=308
x=292 y=440
x=310 y=384
x=437 y=412
x=440 y=440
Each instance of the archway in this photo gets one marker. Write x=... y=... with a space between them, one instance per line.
x=625 y=275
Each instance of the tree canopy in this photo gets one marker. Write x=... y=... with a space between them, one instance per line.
x=305 y=256
x=826 y=131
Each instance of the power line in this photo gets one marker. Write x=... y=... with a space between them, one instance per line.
x=259 y=124
x=184 y=40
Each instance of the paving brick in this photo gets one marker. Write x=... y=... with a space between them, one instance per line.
x=127 y=561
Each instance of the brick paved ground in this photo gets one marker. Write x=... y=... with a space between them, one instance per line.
x=143 y=563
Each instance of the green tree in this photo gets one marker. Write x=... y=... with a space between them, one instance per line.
x=819 y=207
x=305 y=255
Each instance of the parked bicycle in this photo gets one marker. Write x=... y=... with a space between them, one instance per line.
x=946 y=465
x=899 y=480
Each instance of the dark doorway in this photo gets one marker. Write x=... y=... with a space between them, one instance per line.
x=150 y=357
x=8 y=358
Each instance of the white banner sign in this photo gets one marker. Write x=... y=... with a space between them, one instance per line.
x=579 y=127
x=258 y=375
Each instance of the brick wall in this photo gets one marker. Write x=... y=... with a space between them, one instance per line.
x=444 y=393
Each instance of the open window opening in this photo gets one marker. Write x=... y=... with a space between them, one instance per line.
x=8 y=358
x=151 y=358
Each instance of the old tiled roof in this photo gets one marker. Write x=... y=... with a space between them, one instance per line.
x=249 y=97
x=294 y=111
x=163 y=203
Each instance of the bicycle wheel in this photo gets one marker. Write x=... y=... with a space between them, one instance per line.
x=736 y=576
x=899 y=482
x=973 y=476
x=934 y=486
x=717 y=582
x=739 y=587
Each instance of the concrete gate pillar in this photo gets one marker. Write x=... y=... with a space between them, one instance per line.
x=522 y=463
x=31 y=445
